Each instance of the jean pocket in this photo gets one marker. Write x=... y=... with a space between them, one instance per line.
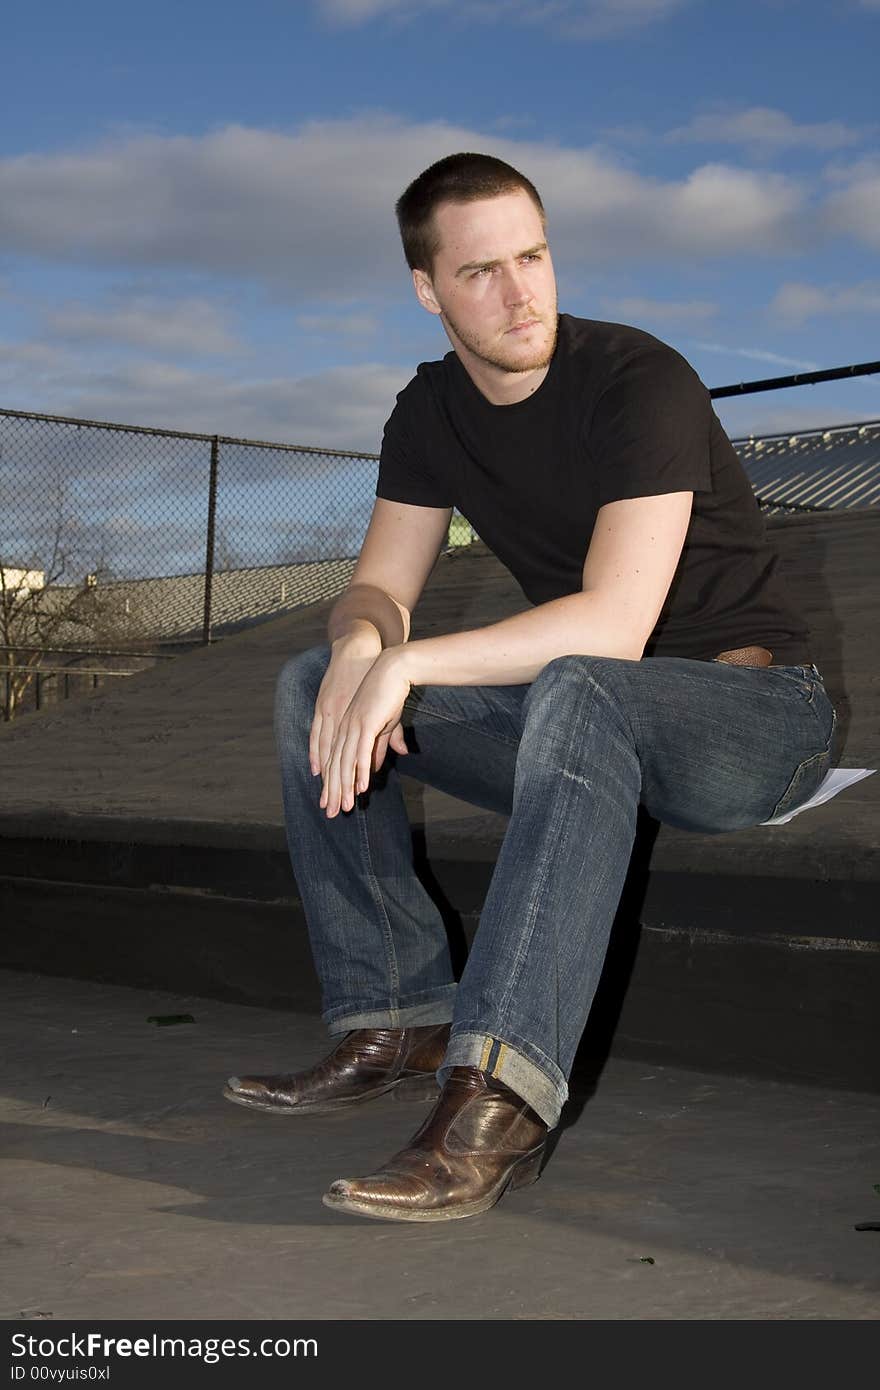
x=805 y=781
x=803 y=679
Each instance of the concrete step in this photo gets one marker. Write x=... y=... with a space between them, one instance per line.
x=757 y=974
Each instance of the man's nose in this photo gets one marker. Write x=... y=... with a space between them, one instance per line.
x=517 y=289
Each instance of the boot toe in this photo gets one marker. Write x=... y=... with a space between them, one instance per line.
x=260 y=1091
x=385 y=1196
x=250 y=1086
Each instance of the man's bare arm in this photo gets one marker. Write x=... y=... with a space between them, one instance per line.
x=634 y=552
x=399 y=551
x=629 y=567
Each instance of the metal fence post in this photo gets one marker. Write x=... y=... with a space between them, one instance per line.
x=209 y=544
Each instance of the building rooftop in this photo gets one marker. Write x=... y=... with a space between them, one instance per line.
x=173 y=607
x=828 y=468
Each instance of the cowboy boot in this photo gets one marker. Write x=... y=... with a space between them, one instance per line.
x=480 y=1140
x=367 y=1062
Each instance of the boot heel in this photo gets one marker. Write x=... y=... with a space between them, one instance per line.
x=416 y=1088
x=528 y=1171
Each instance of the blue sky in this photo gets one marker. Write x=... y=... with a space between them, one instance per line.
x=196 y=200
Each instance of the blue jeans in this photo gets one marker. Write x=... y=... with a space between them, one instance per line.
x=701 y=744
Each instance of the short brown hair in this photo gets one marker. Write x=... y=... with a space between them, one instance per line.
x=459 y=178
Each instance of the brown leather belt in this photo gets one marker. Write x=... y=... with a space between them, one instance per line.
x=747 y=656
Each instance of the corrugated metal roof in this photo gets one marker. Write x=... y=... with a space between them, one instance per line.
x=172 y=608
x=815 y=469
x=175 y=606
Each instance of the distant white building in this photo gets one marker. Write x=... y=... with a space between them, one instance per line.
x=19 y=581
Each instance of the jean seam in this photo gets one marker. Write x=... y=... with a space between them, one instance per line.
x=460 y=724
x=525 y=937
x=528 y=930
x=376 y=892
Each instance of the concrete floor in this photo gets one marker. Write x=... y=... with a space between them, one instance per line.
x=133 y=1190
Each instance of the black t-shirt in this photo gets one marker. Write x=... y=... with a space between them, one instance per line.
x=619 y=414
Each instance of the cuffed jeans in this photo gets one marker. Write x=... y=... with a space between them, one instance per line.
x=703 y=745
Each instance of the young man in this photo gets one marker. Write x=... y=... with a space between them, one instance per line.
x=659 y=663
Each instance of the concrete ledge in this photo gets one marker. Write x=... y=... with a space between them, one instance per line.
x=771 y=975
x=777 y=890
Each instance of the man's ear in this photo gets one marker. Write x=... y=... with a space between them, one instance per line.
x=425 y=291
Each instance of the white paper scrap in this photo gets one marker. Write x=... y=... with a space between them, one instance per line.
x=834 y=781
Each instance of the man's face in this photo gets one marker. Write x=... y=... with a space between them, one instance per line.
x=492 y=283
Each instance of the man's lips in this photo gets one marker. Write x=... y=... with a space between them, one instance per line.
x=522 y=327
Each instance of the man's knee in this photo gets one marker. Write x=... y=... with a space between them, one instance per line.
x=573 y=677
x=573 y=694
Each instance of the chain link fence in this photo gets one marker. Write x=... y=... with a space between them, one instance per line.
x=126 y=543
x=122 y=545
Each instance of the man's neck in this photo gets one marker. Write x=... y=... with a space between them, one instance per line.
x=504 y=388
x=500 y=387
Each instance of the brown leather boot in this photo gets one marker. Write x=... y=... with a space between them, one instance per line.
x=366 y=1063
x=480 y=1140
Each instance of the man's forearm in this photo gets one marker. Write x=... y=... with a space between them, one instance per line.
x=515 y=650
x=363 y=606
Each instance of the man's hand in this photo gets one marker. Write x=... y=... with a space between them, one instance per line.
x=363 y=732
x=350 y=660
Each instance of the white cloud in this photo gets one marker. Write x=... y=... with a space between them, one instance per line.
x=766 y=129
x=578 y=19
x=312 y=211
x=339 y=325
x=795 y=302
x=855 y=209
x=635 y=308
x=190 y=326
x=726 y=209
x=351 y=12
x=29 y=356
x=758 y=355
x=342 y=408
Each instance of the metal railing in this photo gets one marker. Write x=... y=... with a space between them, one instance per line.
x=63 y=675
x=26 y=675
x=779 y=383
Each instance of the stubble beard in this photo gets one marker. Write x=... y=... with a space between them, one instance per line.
x=494 y=355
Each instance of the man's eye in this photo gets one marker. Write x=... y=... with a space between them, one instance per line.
x=483 y=270
x=532 y=256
